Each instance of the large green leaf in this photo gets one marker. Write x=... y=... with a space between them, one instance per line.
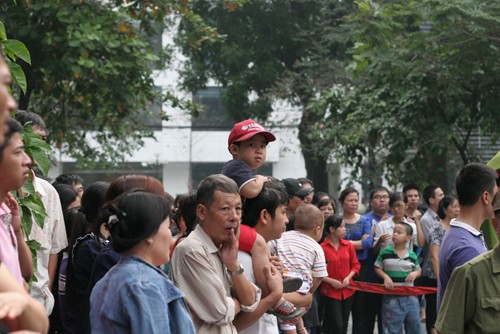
x=3 y=34
x=18 y=49
x=18 y=75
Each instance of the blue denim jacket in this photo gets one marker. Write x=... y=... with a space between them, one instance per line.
x=135 y=297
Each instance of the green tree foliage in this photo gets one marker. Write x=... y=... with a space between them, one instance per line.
x=427 y=75
x=91 y=77
x=272 y=49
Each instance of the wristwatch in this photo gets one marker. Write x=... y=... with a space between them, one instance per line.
x=236 y=272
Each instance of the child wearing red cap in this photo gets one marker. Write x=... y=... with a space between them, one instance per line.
x=247 y=143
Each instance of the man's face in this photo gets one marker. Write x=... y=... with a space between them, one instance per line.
x=253 y=151
x=380 y=202
x=14 y=168
x=79 y=189
x=413 y=198
x=309 y=197
x=438 y=196
x=222 y=216
x=295 y=202
x=279 y=222
x=7 y=103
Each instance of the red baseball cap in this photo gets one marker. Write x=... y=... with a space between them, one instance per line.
x=243 y=130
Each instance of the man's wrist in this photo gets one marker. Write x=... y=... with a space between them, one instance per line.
x=235 y=270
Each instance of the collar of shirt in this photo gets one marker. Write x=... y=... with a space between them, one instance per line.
x=465 y=226
x=204 y=239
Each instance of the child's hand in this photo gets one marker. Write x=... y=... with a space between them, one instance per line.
x=411 y=276
x=385 y=237
x=388 y=284
x=14 y=210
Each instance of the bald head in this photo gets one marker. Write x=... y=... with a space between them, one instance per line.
x=307 y=217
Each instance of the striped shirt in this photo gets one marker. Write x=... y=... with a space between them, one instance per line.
x=300 y=254
x=395 y=267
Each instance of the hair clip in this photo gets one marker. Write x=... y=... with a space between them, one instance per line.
x=112 y=220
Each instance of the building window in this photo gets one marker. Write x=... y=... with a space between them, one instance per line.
x=214 y=116
x=96 y=174
x=152 y=116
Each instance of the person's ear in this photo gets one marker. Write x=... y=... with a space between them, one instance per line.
x=201 y=211
x=233 y=149
x=264 y=216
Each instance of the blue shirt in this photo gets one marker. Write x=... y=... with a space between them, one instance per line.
x=239 y=171
x=135 y=297
x=461 y=243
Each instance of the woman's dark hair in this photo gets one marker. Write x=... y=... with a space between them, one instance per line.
x=333 y=222
x=92 y=200
x=444 y=204
x=187 y=210
x=125 y=183
x=396 y=197
x=325 y=202
x=135 y=216
x=346 y=193
x=67 y=195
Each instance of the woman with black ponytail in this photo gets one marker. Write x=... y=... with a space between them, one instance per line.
x=135 y=296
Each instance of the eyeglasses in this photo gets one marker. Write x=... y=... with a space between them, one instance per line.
x=379 y=197
x=398 y=206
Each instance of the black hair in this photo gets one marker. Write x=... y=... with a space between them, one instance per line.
x=325 y=202
x=444 y=204
x=333 y=222
x=408 y=228
x=429 y=192
x=187 y=210
x=70 y=179
x=395 y=197
x=346 y=193
x=377 y=189
x=410 y=186
x=472 y=181
x=14 y=127
x=92 y=200
x=25 y=117
x=216 y=182
x=273 y=195
x=67 y=194
x=135 y=216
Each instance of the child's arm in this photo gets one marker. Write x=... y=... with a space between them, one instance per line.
x=316 y=282
x=253 y=188
x=389 y=285
x=413 y=275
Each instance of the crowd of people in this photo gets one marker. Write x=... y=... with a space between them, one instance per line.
x=244 y=253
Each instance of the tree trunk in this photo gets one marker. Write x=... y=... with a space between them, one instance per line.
x=315 y=162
